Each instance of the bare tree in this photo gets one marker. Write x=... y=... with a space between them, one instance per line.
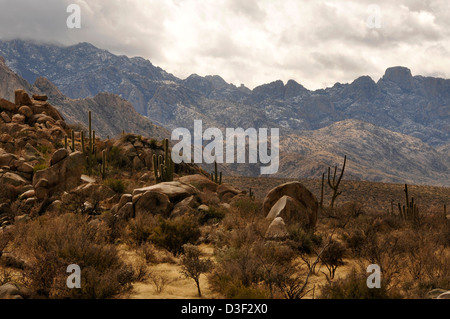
x=192 y=266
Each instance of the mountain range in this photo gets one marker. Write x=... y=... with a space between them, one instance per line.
x=394 y=130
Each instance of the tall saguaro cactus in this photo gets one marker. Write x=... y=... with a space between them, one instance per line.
x=92 y=149
x=163 y=167
x=334 y=184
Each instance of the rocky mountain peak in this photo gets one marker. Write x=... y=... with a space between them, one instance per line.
x=399 y=75
x=292 y=89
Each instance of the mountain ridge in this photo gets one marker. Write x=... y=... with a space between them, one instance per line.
x=402 y=120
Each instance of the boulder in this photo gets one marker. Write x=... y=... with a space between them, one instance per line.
x=18 y=119
x=30 y=153
x=433 y=294
x=27 y=194
x=12 y=179
x=26 y=111
x=277 y=229
x=291 y=210
x=225 y=188
x=40 y=97
x=125 y=198
x=445 y=295
x=62 y=176
x=176 y=191
x=152 y=202
x=6 y=105
x=94 y=191
x=6 y=138
x=59 y=155
x=25 y=168
x=203 y=208
x=13 y=290
x=299 y=193
x=55 y=207
x=184 y=206
x=200 y=182
x=22 y=98
x=126 y=211
x=6 y=159
x=5 y=117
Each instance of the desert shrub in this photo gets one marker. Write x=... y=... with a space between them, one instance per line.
x=53 y=243
x=236 y=290
x=301 y=240
x=355 y=241
x=40 y=167
x=247 y=207
x=354 y=286
x=333 y=257
x=172 y=234
x=140 y=228
x=117 y=159
x=148 y=252
x=214 y=214
x=44 y=149
x=159 y=281
x=116 y=185
x=153 y=144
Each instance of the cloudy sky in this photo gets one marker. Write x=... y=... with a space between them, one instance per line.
x=316 y=43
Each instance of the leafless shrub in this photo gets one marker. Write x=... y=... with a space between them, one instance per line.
x=159 y=281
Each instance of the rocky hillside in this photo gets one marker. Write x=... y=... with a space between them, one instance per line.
x=112 y=114
x=373 y=153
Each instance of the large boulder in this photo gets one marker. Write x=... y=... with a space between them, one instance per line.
x=62 y=176
x=6 y=105
x=176 y=191
x=152 y=202
x=200 y=182
x=59 y=155
x=277 y=230
x=126 y=211
x=13 y=290
x=6 y=159
x=291 y=210
x=22 y=98
x=224 y=189
x=301 y=202
x=26 y=111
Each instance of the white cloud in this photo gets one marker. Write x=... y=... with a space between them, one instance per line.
x=316 y=43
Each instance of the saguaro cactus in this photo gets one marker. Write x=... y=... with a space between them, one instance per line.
x=409 y=211
x=73 y=141
x=216 y=176
x=103 y=164
x=334 y=184
x=163 y=167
